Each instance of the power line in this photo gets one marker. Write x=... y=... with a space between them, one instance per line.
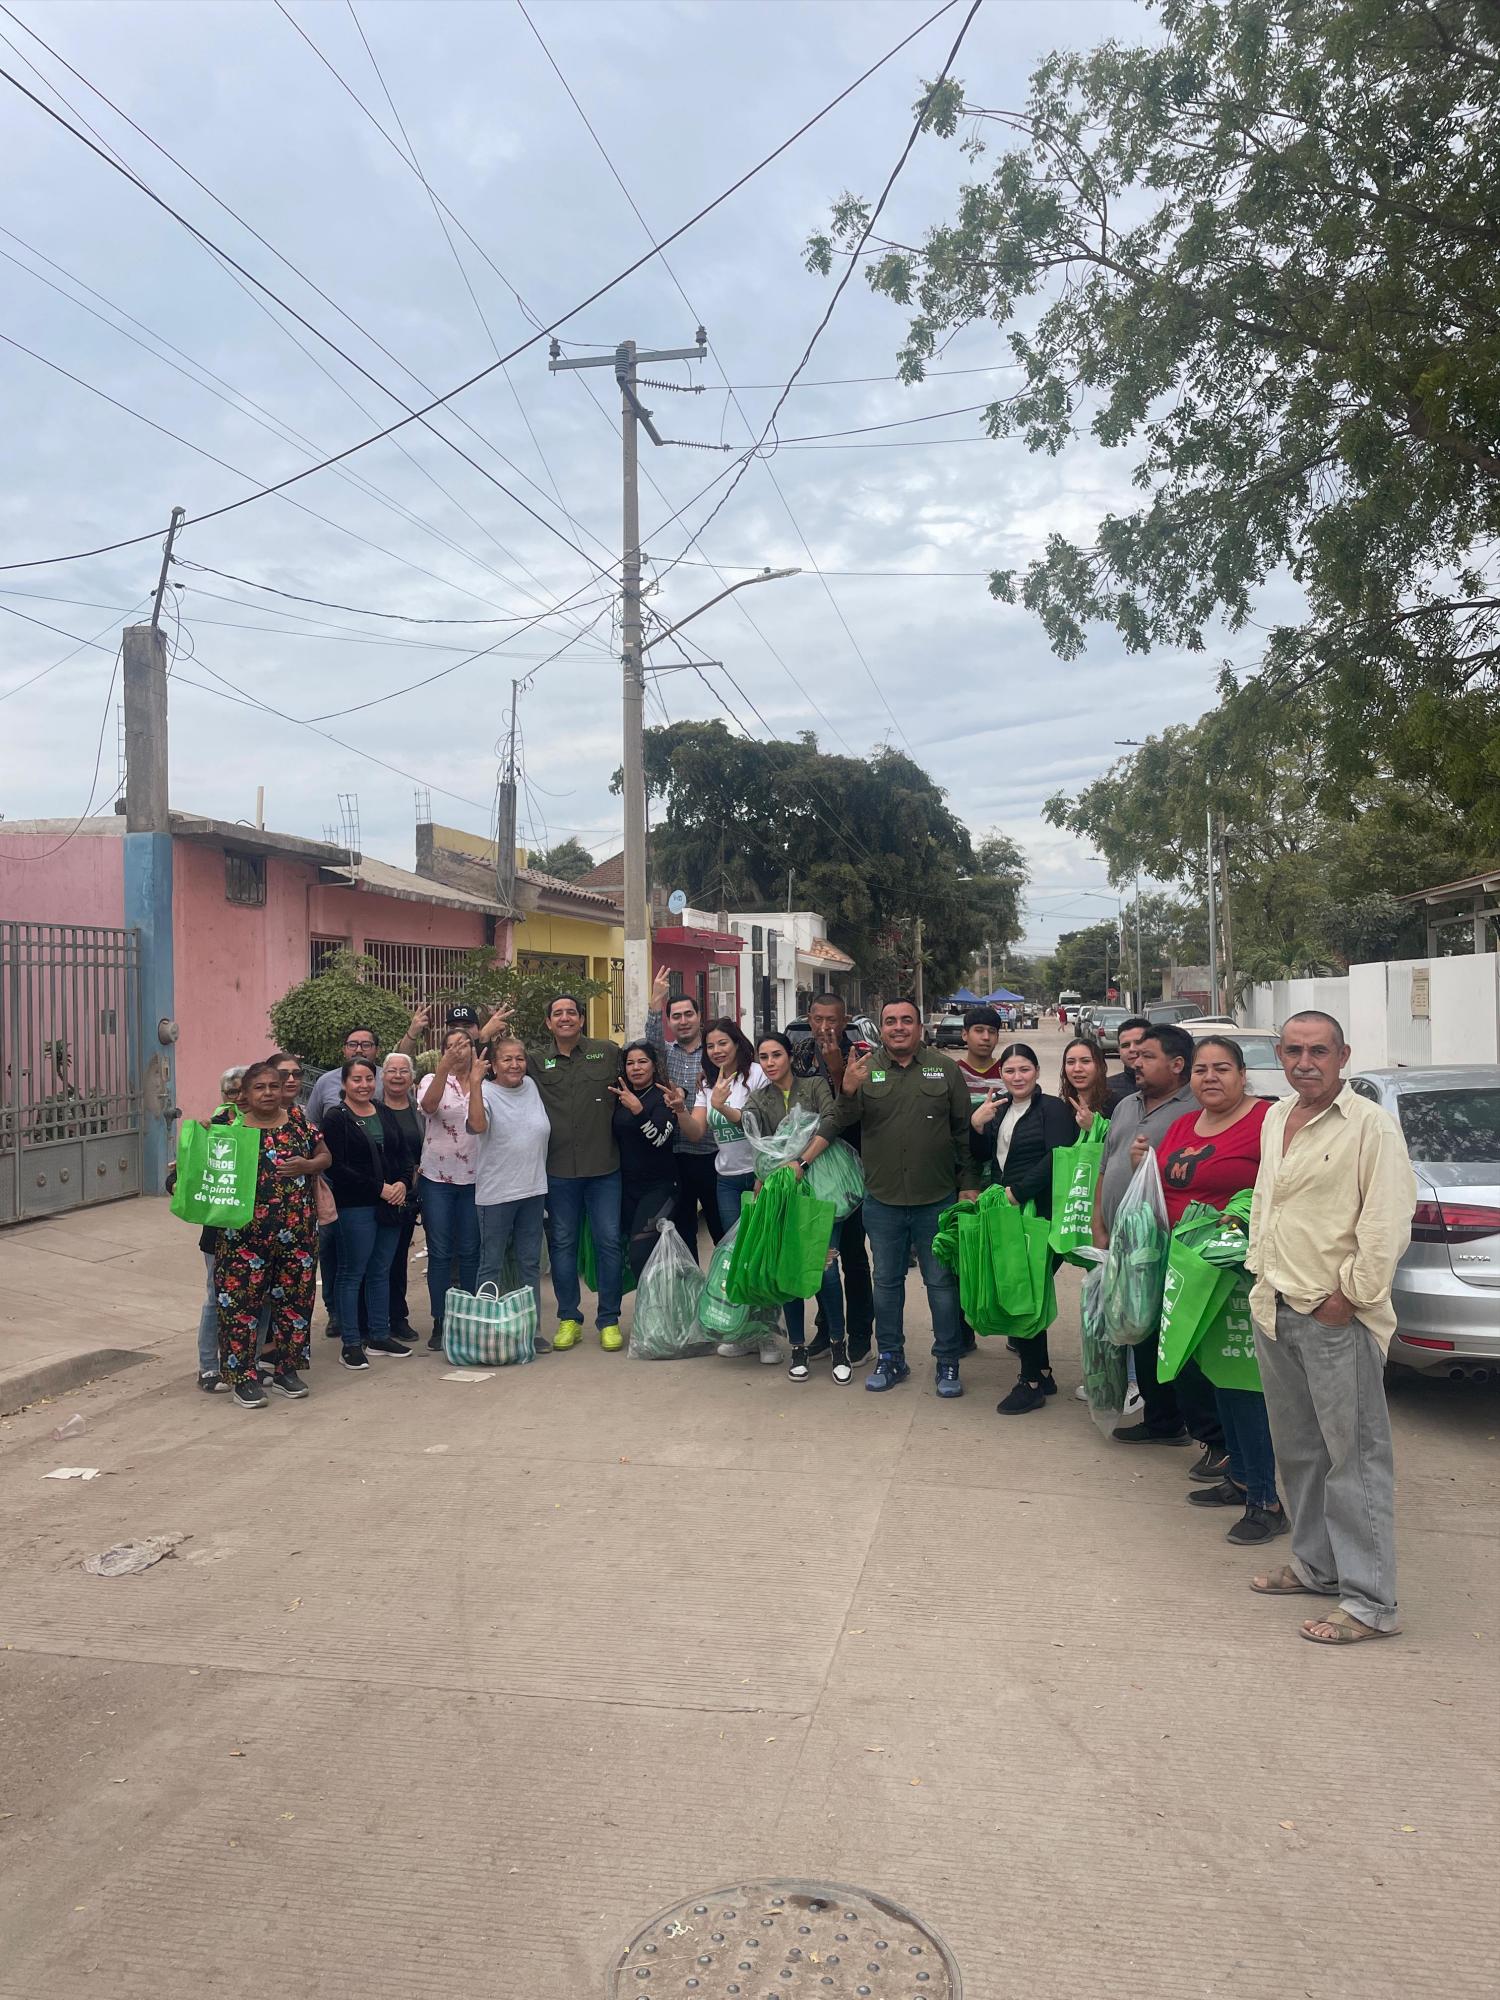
x=329 y=604
x=482 y=374
x=83 y=645
x=109 y=696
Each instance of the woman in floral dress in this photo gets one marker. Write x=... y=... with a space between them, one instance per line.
x=273 y=1260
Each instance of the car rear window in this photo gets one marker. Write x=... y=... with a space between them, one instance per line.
x=1452 y=1127
x=1260 y=1055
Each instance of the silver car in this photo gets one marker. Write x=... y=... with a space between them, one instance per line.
x=1447 y=1289
x=1263 y=1072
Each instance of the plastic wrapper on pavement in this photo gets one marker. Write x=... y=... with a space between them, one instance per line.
x=665 y=1323
x=488 y=1329
x=1135 y=1265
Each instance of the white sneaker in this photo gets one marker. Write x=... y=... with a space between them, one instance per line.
x=1134 y=1401
x=770 y=1353
x=731 y=1347
x=1081 y=1392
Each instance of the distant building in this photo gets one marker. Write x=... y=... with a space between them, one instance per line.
x=703 y=959
x=791 y=960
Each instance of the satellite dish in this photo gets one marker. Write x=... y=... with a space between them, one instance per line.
x=677 y=902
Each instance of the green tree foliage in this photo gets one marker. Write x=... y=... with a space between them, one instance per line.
x=1264 y=254
x=995 y=888
x=868 y=841
x=312 y=1019
x=567 y=860
x=488 y=986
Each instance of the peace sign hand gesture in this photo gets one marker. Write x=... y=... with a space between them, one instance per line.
x=719 y=1096
x=627 y=1097
x=857 y=1072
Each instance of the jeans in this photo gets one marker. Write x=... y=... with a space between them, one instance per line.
x=1247 y=1436
x=642 y=1205
x=1199 y=1407
x=569 y=1199
x=400 y=1311
x=208 y=1324
x=830 y=1297
x=894 y=1232
x=328 y=1270
x=366 y=1248
x=854 y=1256
x=1325 y=1397
x=731 y=1187
x=697 y=1188
x=451 y=1226
x=507 y=1224
x=1161 y=1416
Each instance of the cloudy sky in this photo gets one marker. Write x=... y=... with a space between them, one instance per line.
x=326 y=212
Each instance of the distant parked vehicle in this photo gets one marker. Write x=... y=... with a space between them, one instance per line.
x=1262 y=1066
x=1162 y=1012
x=948 y=1031
x=1104 y=1027
x=861 y=1027
x=1447 y=1287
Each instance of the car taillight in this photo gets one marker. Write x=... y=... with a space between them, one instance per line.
x=1453 y=1222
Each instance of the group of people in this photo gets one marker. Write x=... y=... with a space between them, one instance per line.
x=499 y=1144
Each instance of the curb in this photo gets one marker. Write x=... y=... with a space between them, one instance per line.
x=56 y=1378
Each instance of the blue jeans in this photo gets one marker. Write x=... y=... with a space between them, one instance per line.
x=328 y=1270
x=450 y=1223
x=506 y=1223
x=568 y=1200
x=731 y=1187
x=365 y=1252
x=895 y=1232
x=1247 y=1435
x=830 y=1296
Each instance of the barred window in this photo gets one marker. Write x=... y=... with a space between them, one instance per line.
x=244 y=878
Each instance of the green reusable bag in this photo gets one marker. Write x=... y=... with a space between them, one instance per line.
x=806 y=1234
x=1226 y=1352
x=588 y=1260
x=781 y=1244
x=837 y=1176
x=1021 y=1252
x=217 y=1166
x=1194 y=1290
x=717 y=1312
x=1075 y=1174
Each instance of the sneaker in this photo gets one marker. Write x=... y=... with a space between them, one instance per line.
x=353 y=1357
x=1134 y=1402
x=1138 y=1434
x=819 y=1344
x=568 y=1334
x=434 y=1343
x=407 y=1333
x=843 y=1374
x=948 y=1383
x=1081 y=1393
x=611 y=1339
x=287 y=1382
x=541 y=1344
x=799 y=1370
x=770 y=1353
x=889 y=1369
x=331 y=1331
x=1259 y=1524
x=212 y=1385
x=1212 y=1466
x=248 y=1395
x=970 y=1343
x=386 y=1343
x=858 y=1345
x=1225 y=1494
x=1049 y=1383
x=729 y=1347
x=1024 y=1397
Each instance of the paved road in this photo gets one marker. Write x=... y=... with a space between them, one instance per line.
x=457 y=1683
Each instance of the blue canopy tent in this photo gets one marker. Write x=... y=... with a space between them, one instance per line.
x=1002 y=993
x=964 y=998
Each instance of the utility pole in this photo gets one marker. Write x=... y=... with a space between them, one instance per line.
x=1213 y=927
x=505 y=816
x=1226 y=932
x=989 y=966
x=1140 y=983
x=179 y=514
x=917 y=975
x=624 y=361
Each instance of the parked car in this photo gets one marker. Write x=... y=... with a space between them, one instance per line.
x=1447 y=1286
x=1266 y=1076
x=1029 y=1018
x=861 y=1027
x=1104 y=1026
x=948 y=1031
x=1079 y=1018
x=1160 y=1012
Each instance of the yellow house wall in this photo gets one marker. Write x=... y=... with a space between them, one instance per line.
x=596 y=944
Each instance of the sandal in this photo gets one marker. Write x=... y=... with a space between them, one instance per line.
x=1285 y=1582
x=1344 y=1629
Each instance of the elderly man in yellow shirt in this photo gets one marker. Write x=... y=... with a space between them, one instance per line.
x=1331 y=1221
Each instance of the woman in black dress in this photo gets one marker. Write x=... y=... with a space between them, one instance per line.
x=645 y=1126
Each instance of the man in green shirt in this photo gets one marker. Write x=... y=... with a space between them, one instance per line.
x=912 y=1106
x=573 y=1074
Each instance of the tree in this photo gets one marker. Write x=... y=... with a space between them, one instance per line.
x=487 y=985
x=869 y=842
x=312 y=1019
x=567 y=860
x=994 y=890
x=1264 y=252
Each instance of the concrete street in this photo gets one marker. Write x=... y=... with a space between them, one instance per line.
x=455 y=1684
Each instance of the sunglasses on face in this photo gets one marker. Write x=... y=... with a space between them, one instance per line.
x=288 y=1073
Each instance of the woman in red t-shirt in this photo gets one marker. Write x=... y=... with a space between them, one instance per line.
x=1209 y=1155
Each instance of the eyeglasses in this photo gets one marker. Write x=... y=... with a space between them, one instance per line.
x=362 y=1046
x=286 y=1070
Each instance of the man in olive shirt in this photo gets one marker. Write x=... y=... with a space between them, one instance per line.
x=573 y=1074
x=912 y=1106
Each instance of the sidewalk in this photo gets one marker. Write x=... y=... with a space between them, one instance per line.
x=456 y=1684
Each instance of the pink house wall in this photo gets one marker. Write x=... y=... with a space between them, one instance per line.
x=45 y=879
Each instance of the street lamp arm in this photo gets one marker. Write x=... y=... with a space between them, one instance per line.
x=765 y=576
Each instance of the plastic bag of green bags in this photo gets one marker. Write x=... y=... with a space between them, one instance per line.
x=1135 y=1265
x=781 y=1244
x=1004 y=1265
x=777 y=1149
x=1106 y=1373
x=1075 y=1174
x=665 y=1326
x=837 y=1176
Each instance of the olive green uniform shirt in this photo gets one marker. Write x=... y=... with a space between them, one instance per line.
x=915 y=1128
x=808 y=1093
x=575 y=1090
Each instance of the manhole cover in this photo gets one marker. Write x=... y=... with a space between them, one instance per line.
x=786 y=1941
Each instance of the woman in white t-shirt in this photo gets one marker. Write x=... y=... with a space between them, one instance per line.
x=511 y=1129
x=730 y=1075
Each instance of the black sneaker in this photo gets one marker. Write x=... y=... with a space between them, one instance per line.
x=1259 y=1524
x=1138 y=1434
x=798 y=1368
x=332 y=1332
x=1225 y=1494
x=407 y=1333
x=434 y=1343
x=211 y=1384
x=858 y=1347
x=386 y=1343
x=843 y=1374
x=287 y=1382
x=1049 y=1384
x=1025 y=1396
x=1212 y=1466
x=248 y=1396
x=353 y=1357
x=819 y=1344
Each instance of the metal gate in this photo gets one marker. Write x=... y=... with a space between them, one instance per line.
x=70 y=1099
